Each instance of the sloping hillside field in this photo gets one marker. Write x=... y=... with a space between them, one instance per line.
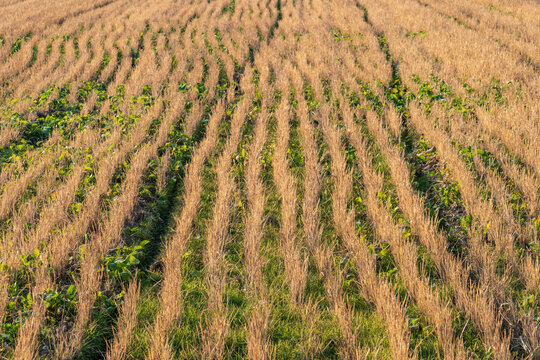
x=279 y=179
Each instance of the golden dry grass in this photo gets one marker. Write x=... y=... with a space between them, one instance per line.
x=282 y=179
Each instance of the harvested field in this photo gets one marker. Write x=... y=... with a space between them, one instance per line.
x=286 y=179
